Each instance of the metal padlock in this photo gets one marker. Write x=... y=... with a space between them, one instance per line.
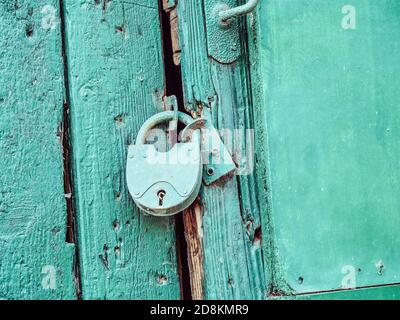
x=165 y=183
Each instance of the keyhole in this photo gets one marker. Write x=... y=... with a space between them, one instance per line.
x=161 y=195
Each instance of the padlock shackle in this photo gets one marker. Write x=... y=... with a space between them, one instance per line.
x=158 y=119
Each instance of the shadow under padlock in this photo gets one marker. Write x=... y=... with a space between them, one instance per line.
x=165 y=183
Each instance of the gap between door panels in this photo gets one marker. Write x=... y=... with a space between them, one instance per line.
x=71 y=233
x=173 y=87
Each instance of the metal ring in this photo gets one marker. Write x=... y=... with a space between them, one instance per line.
x=160 y=118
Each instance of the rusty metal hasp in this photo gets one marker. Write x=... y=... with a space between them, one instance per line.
x=217 y=160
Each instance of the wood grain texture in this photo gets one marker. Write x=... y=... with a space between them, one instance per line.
x=274 y=281
x=198 y=86
x=233 y=260
x=193 y=218
x=116 y=83
x=35 y=260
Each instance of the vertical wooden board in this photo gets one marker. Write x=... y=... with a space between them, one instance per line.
x=233 y=263
x=116 y=82
x=332 y=118
x=35 y=261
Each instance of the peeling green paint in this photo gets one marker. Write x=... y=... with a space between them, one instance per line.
x=35 y=260
x=233 y=262
x=317 y=80
x=116 y=83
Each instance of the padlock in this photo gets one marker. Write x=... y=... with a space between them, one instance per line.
x=165 y=183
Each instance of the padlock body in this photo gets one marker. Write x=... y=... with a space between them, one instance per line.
x=164 y=183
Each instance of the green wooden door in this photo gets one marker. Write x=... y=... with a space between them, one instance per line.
x=231 y=264
x=35 y=261
x=77 y=82
x=313 y=211
x=330 y=123
x=116 y=81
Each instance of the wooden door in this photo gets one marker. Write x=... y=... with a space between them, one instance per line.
x=224 y=227
x=329 y=119
x=313 y=207
x=36 y=261
x=77 y=82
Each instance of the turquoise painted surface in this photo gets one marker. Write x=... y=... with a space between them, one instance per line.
x=116 y=82
x=331 y=109
x=326 y=185
x=35 y=261
x=233 y=262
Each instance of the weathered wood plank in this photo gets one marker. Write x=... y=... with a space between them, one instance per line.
x=35 y=260
x=275 y=285
x=192 y=219
x=116 y=82
x=233 y=265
